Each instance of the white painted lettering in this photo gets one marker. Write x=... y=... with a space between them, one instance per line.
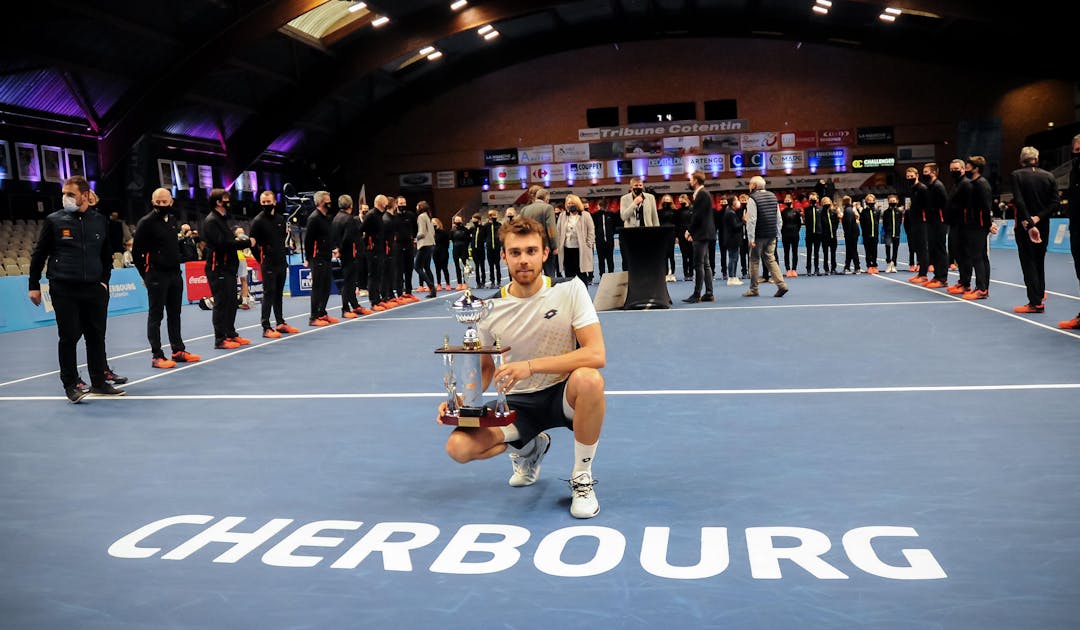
x=858 y=543
x=281 y=554
x=504 y=553
x=765 y=558
x=221 y=531
x=127 y=547
x=395 y=554
x=713 y=558
x=609 y=551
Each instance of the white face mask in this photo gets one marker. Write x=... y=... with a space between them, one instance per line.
x=70 y=205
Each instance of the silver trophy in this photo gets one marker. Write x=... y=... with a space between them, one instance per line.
x=463 y=378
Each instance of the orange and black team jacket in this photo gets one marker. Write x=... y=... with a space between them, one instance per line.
x=221 y=244
x=268 y=230
x=317 y=243
x=156 y=247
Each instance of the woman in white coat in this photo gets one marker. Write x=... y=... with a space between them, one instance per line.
x=576 y=240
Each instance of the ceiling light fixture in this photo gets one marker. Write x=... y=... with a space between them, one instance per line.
x=435 y=55
x=359 y=6
x=427 y=50
x=380 y=21
x=886 y=17
x=893 y=11
x=491 y=35
x=825 y=3
x=483 y=30
x=820 y=10
x=459 y=4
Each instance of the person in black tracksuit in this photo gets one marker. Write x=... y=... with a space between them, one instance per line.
x=937 y=228
x=667 y=215
x=977 y=225
x=375 y=252
x=683 y=216
x=221 y=267
x=407 y=229
x=156 y=253
x=1072 y=195
x=441 y=255
x=954 y=212
x=1035 y=194
x=917 y=218
x=269 y=229
x=606 y=222
x=870 y=223
x=850 y=224
x=790 y=226
x=74 y=242
x=400 y=248
x=478 y=236
x=830 y=224
x=459 y=237
x=350 y=246
x=493 y=247
x=319 y=248
x=892 y=222
x=815 y=233
x=732 y=235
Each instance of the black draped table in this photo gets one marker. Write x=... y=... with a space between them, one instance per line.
x=645 y=251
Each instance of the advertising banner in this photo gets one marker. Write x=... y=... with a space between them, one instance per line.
x=760 y=141
x=544 y=173
x=753 y=161
x=682 y=145
x=798 y=140
x=874 y=135
x=575 y=152
x=540 y=154
x=497 y=157
x=714 y=163
x=834 y=137
x=584 y=171
x=676 y=128
x=445 y=179
x=195 y=282
x=787 y=159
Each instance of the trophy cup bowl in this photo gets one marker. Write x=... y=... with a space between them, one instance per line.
x=463 y=377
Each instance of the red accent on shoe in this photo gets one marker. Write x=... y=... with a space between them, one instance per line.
x=184 y=356
x=318 y=322
x=934 y=284
x=349 y=315
x=270 y=333
x=1027 y=308
x=330 y=320
x=227 y=345
x=240 y=340
x=162 y=363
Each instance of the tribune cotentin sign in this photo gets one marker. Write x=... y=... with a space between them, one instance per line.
x=677 y=128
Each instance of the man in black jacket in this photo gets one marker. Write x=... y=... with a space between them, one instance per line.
x=318 y=248
x=937 y=227
x=977 y=225
x=407 y=229
x=892 y=221
x=75 y=243
x=222 y=264
x=916 y=215
x=376 y=253
x=1035 y=194
x=269 y=229
x=702 y=233
x=1072 y=194
x=156 y=253
x=345 y=238
x=606 y=222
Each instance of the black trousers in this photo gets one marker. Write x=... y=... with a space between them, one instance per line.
x=976 y=247
x=870 y=247
x=273 y=288
x=406 y=261
x=572 y=262
x=350 y=272
x=1074 y=246
x=813 y=250
x=892 y=247
x=321 y=277
x=851 y=250
x=956 y=244
x=461 y=254
x=165 y=294
x=671 y=257
x=686 y=248
x=791 y=251
x=393 y=284
x=223 y=288
x=478 y=262
x=938 y=251
x=744 y=256
x=442 y=266
x=917 y=247
x=423 y=267
x=81 y=310
x=712 y=255
x=829 y=254
x=1033 y=264
x=605 y=256
x=375 y=263
x=702 y=267
x=494 y=265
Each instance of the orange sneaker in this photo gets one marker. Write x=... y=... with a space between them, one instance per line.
x=185 y=357
x=365 y=311
x=934 y=284
x=1027 y=308
x=332 y=320
x=318 y=322
x=162 y=363
x=380 y=307
x=918 y=280
x=958 y=289
x=240 y=340
x=1070 y=324
x=287 y=329
x=270 y=333
x=976 y=295
x=226 y=345
x=349 y=315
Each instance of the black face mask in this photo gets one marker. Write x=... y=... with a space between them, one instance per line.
x=924 y=178
x=225 y=206
x=638 y=192
x=910 y=180
x=970 y=174
x=164 y=209
x=957 y=175
x=667 y=205
x=268 y=207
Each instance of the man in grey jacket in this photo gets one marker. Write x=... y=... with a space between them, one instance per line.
x=762 y=226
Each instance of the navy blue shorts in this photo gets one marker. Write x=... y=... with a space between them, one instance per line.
x=538 y=411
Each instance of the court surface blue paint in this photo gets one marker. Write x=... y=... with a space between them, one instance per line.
x=852 y=402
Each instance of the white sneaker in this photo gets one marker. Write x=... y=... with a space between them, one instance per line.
x=527 y=467
x=583 y=503
x=738 y=282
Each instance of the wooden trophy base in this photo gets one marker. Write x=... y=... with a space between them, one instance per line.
x=488 y=418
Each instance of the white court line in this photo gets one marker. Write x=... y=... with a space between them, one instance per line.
x=953 y=272
x=985 y=306
x=628 y=392
x=210 y=336
x=770 y=306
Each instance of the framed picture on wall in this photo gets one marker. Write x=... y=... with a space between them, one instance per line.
x=76 y=162
x=206 y=176
x=165 y=173
x=5 y=161
x=29 y=166
x=52 y=164
x=183 y=178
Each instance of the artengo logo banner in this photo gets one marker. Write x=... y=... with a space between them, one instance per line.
x=541 y=154
x=677 y=128
x=576 y=171
x=716 y=163
x=787 y=159
x=544 y=173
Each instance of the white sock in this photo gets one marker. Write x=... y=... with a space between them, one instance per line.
x=510 y=434
x=583 y=457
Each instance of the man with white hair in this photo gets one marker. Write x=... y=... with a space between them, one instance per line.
x=1035 y=195
x=762 y=228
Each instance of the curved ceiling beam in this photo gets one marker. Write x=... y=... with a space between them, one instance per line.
x=357 y=58
x=143 y=113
